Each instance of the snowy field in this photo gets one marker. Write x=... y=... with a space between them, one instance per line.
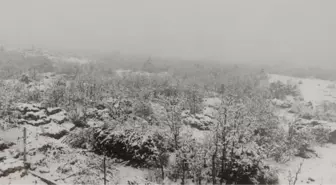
x=314 y=90
x=321 y=169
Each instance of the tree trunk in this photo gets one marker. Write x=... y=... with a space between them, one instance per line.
x=183 y=175
x=162 y=172
x=224 y=148
x=176 y=142
x=200 y=179
x=214 y=167
x=223 y=166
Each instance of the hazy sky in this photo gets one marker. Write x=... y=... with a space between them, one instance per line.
x=250 y=30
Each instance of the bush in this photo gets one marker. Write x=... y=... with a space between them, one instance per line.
x=302 y=110
x=194 y=100
x=143 y=109
x=78 y=117
x=80 y=138
x=241 y=166
x=321 y=134
x=297 y=141
x=55 y=96
x=280 y=90
x=132 y=145
x=326 y=111
x=25 y=79
x=34 y=95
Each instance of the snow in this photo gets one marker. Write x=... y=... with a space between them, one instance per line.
x=10 y=164
x=314 y=90
x=16 y=179
x=321 y=169
x=57 y=159
x=212 y=102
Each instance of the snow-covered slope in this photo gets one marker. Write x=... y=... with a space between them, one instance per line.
x=55 y=57
x=314 y=90
x=320 y=169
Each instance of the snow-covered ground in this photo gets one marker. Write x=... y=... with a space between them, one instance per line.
x=321 y=169
x=316 y=170
x=314 y=90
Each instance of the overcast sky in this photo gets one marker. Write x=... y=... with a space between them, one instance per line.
x=249 y=30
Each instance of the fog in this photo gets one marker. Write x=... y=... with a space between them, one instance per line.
x=300 y=31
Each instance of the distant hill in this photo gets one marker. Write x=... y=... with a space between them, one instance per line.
x=16 y=60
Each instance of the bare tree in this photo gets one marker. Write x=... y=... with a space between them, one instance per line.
x=293 y=179
x=174 y=121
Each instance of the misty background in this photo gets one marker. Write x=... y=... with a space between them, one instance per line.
x=261 y=31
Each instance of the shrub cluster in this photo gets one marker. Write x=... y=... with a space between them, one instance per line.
x=280 y=90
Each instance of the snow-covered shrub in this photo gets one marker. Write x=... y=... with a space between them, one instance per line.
x=143 y=109
x=297 y=141
x=78 y=116
x=321 y=134
x=80 y=138
x=326 y=111
x=194 y=100
x=25 y=79
x=55 y=96
x=199 y=162
x=280 y=90
x=132 y=145
x=302 y=110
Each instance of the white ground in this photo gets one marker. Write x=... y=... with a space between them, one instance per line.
x=313 y=90
x=321 y=170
